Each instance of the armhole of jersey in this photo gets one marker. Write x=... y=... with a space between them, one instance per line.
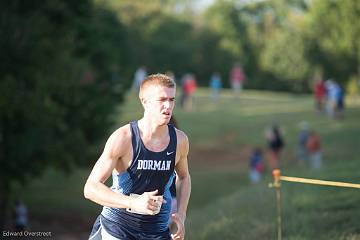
x=173 y=135
x=173 y=140
x=134 y=143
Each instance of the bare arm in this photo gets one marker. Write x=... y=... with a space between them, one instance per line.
x=115 y=149
x=183 y=181
x=183 y=187
x=95 y=189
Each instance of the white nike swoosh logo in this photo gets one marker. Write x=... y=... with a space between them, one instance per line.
x=169 y=153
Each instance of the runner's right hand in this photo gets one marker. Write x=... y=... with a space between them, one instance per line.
x=147 y=203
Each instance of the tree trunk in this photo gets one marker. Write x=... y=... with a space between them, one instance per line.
x=4 y=200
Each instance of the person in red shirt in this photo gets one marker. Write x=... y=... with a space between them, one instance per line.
x=237 y=78
x=313 y=147
x=319 y=94
x=189 y=87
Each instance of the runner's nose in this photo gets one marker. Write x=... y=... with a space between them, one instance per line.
x=167 y=104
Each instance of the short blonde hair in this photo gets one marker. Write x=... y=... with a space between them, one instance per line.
x=156 y=80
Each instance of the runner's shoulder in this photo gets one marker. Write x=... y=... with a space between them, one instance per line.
x=121 y=137
x=181 y=137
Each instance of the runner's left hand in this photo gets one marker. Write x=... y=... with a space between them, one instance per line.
x=179 y=221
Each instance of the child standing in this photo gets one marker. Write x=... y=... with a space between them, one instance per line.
x=256 y=165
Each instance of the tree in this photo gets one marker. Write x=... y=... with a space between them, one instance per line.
x=335 y=32
x=285 y=58
x=50 y=114
x=267 y=37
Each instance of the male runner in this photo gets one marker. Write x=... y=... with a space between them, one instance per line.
x=143 y=157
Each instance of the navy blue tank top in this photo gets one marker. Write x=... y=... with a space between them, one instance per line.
x=148 y=171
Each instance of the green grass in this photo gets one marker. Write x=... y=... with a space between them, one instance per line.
x=224 y=205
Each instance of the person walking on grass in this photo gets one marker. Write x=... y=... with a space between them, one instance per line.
x=143 y=157
x=313 y=146
x=215 y=85
x=237 y=79
x=275 y=145
x=257 y=166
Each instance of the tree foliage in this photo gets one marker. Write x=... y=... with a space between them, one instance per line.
x=335 y=32
x=285 y=42
x=51 y=112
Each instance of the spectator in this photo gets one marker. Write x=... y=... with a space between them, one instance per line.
x=275 y=144
x=21 y=216
x=313 y=146
x=319 y=94
x=139 y=77
x=215 y=85
x=189 y=86
x=332 y=90
x=340 y=103
x=302 y=139
x=256 y=165
x=237 y=78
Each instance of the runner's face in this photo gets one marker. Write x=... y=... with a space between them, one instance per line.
x=160 y=103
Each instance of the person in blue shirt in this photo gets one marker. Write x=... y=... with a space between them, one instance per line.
x=142 y=158
x=215 y=85
x=256 y=165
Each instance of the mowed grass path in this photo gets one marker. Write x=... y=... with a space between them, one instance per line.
x=224 y=205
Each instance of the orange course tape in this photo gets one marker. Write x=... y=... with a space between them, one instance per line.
x=319 y=182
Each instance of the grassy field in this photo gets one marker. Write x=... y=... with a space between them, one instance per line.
x=224 y=204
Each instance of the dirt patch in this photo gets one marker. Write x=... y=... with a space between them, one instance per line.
x=219 y=157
